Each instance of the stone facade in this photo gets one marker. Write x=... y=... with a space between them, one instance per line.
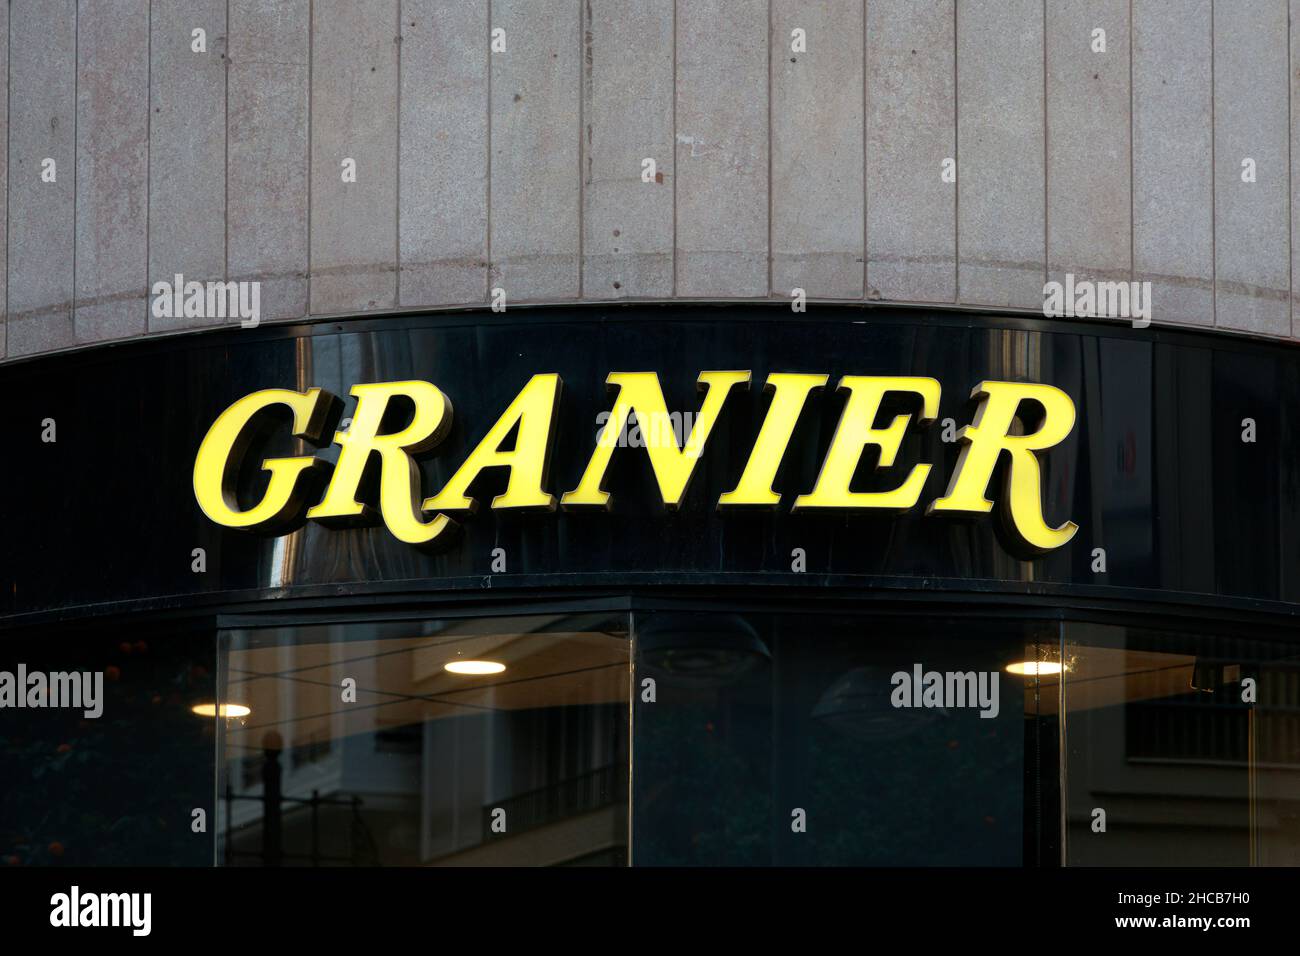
x=959 y=152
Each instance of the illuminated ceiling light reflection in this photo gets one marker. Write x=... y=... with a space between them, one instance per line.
x=1034 y=668
x=475 y=668
x=227 y=710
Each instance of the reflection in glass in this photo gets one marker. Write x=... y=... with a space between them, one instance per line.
x=783 y=742
x=116 y=789
x=364 y=745
x=756 y=738
x=1188 y=742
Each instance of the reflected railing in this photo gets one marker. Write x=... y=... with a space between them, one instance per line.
x=272 y=853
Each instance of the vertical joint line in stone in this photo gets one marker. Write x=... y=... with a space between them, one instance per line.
x=148 y=156
x=76 y=70
x=770 y=25
x=487 y=179
x=225 y=230
x=1290 y=127
x=1047 y=166
x=956 y=159
x=1214 y=181
x=866 y=285
x=397 y=168
x=582 y=132
x=9 y=59
x=1132 y=226
x=676 y=165
x=311 y=150
x=584 y=95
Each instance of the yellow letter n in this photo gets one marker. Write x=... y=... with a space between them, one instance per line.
x=639 y=392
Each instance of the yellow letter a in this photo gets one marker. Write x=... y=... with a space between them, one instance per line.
x=533 y=410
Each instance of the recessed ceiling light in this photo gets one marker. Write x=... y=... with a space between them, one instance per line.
x=475 y=668
x=227 y=710
x=1034 y=668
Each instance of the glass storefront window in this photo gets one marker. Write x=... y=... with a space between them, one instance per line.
x=750 y=737
x=1183 y=748
x=116 y=779
x=823 y=739
x=434 y=742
